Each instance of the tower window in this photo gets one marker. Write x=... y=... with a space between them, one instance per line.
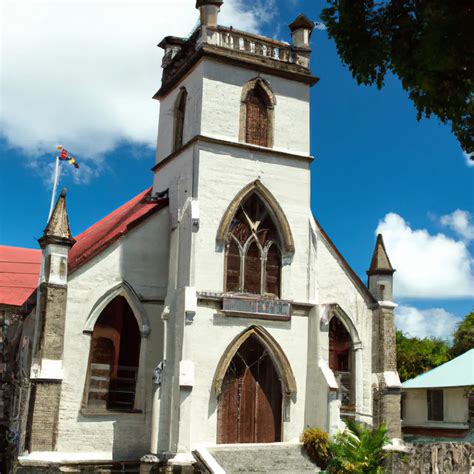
x=253 y=258
x=257 y=114
x=180 y=113
x=257 y=118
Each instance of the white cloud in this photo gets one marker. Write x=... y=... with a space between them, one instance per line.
x=460 y=222
x=320 y=26
x=428 y=266
x=82 y=73
x=433 y=322
x=468 y=159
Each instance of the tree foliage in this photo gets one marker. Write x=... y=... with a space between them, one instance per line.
x=428 y=44
x=359 y=450
x=463 y=339
x=416 y=356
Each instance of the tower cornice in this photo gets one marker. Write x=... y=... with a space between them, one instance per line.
x=237 y=48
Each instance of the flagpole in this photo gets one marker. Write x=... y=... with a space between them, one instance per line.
x=55 y=185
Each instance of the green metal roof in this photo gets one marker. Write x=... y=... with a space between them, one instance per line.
x=458 y=372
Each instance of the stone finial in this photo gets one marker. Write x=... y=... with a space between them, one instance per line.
x=380 y=264
x=58 y=231
x=209 y=11
x=301 y=29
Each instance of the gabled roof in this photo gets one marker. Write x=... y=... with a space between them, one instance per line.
x=380 y=264
x=118 y=223
x=458 y=372
x=19 y=272
x=369 y=298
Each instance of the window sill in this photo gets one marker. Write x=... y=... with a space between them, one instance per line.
x=108 y=412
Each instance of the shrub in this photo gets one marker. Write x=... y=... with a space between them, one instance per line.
x=316 y=444
x=358 y=450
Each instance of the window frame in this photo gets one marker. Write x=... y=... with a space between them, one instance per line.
x=269 y=100
x=243 y=250
x=435 y=401
x=180 y=119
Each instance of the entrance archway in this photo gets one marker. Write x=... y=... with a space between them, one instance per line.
x=250 y=401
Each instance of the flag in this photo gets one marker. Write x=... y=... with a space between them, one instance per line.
x=64 y=155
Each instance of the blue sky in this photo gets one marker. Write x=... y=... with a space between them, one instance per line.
x=376 y=166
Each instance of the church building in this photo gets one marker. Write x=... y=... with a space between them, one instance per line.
x=211 y=309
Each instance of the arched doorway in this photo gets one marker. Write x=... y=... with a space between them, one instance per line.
x=250 y=403
x=341 y=362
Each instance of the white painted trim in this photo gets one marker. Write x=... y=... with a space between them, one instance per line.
x=55 y=457
x=388 y=304
x=48 y=369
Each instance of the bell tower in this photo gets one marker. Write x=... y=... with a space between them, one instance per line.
x=234 y=124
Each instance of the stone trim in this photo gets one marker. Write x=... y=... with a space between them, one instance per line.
x=270 y=66
x=279 y=358
x=242 y=146
x=288 y=245
x=270 y=103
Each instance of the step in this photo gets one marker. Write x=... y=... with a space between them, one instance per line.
x=287 y=458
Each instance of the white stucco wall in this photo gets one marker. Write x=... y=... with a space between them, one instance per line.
x=141 y=259
x=222 y=97
x=455 y=406
x=207 y=340
x=336 y=286
x=192 y=123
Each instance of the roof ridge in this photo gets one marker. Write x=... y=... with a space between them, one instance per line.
x=116 y=212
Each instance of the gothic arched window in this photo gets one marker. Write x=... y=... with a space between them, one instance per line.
x=257 y=114
x=114 y=358
x=253 y=257
x=180 y=113
x=341 y=361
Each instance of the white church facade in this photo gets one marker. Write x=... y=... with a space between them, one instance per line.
x=212 y=308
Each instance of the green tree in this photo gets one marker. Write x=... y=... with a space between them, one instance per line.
x=428 y=44
x=463 y=339
x=416 y=356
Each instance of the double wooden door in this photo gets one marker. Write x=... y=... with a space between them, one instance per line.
x=250 y=406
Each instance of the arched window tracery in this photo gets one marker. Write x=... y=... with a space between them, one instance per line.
x=180 y=114
x=253 y=256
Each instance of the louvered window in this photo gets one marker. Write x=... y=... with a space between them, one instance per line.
x=257 y=120
x=253 y=259
x=435 y=400
x=179 y=119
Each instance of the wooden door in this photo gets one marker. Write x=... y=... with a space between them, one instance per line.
x=250 y=405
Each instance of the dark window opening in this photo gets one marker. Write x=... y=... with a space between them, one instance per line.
x=341 y=362
x=435 y=400
x=257 y=120
x=180 y=114
x=114 y=359
x=253 y=258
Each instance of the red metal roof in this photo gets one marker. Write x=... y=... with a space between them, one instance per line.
x=19 y=272
x=103 y=233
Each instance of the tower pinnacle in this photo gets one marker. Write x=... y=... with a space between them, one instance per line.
x=58 y=231
x=380 y=264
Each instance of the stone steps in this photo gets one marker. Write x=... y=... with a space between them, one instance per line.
x=287 y=458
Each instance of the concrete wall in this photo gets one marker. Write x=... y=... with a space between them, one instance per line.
x=456 y=409
x=141 y=259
